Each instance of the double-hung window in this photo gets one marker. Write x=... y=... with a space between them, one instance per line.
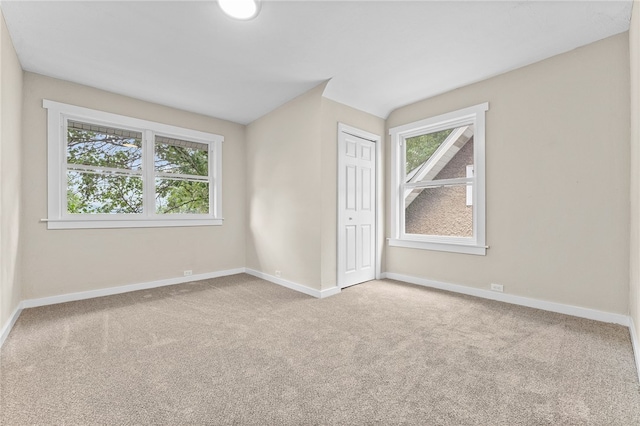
x=438 y=182
x=112 y=171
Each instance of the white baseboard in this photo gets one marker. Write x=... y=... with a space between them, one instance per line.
x=82 y=295
x=635 y=344
x=575 y=311
x=4 y=332
x=320 y=294
x=330 y=292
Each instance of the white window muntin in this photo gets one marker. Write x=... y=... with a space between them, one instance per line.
x=476 y=244
x=58 y=115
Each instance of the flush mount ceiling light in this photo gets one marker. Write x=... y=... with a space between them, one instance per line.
x=240 y=9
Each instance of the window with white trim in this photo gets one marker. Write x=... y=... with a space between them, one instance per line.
x=438 y=182
x=112 y=171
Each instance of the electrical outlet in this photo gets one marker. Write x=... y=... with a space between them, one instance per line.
x=188 y=273
x=497 y=287
x=278 y=273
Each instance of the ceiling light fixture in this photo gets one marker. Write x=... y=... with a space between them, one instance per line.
x=240 y=9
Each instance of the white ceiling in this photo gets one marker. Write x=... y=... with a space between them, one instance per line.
x=379 y=55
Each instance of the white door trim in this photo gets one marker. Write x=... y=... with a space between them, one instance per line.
x=377 y=140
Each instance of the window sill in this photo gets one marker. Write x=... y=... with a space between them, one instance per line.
x=452 y=248
x=161 y=223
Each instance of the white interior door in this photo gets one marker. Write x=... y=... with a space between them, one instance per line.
x=356 y=209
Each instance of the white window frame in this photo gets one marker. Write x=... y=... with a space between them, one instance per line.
x=475 y=244
x=58 y=115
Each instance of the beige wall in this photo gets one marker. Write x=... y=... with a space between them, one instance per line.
x=283 y=190
x=634 y=49
x=10 y=162
x=292 y=187
x=332 y=114
x=64 y=261
x=557 y=181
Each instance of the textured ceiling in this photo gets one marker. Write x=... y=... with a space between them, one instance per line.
x=378 y=55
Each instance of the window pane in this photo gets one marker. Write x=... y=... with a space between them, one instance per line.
x=103 y=193
x=439 y=155
x=96 y=145
x=182 y=157
x=439 y=211
x=181 y=196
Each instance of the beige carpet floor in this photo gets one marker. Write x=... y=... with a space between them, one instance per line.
x=239 y=350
